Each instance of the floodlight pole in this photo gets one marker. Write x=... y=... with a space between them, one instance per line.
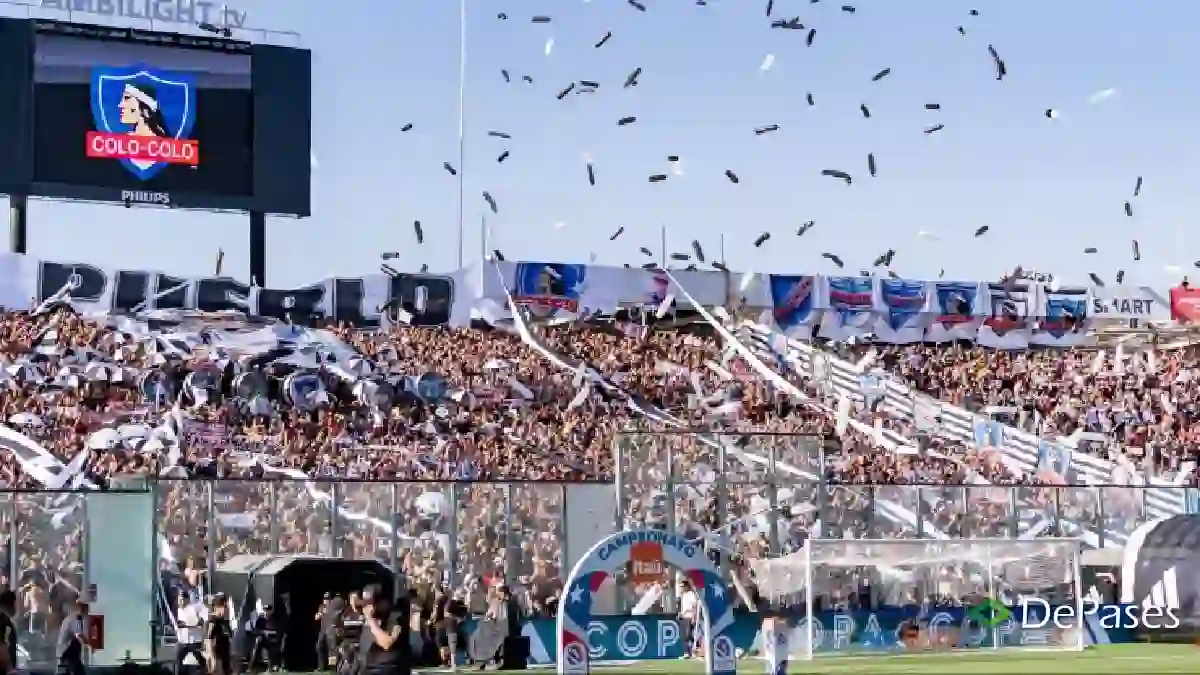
x=18 y=224
x=462 y=144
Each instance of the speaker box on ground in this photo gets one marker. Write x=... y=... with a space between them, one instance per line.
x=516 y=653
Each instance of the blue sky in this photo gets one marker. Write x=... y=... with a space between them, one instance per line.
x=1047 y=188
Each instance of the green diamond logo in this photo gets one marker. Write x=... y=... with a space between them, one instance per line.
x=990 y=612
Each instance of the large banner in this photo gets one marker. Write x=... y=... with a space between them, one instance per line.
x=900 y=311
x=368 y=301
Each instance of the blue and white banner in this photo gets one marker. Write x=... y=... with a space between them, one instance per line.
x=794 y=303
x=1013 y=315
x=988 y=434
x=1063 y=319
x=851 y=307
x=1006 y=321
x=638 y=638
x=958 y=308
x=906 y=307
x=1054 y=462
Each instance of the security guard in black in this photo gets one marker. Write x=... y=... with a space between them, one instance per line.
x=384 y=649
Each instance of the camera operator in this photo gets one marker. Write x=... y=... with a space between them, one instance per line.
x=385 y=648
x=270 y=639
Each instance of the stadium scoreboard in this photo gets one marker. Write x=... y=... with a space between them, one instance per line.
x=126 y=115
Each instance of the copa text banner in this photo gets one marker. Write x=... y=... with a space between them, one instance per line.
x=637 y=638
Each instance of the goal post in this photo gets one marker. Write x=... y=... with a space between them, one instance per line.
x=858 y=597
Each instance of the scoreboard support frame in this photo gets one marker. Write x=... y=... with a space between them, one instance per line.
x=18 y=223
x=258 y=248
x=18 y=236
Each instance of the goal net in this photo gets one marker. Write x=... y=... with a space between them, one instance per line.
x=919 y=595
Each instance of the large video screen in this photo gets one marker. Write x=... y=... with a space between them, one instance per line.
x=141 y=117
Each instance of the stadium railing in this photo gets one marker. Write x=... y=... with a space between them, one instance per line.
x=675 y=482
x=437 y=532
x=1024 y=450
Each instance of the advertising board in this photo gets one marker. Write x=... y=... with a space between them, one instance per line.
x=1185 y=304
x=637 y=638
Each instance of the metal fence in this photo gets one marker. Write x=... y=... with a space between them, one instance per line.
x=757 y=495
x=435 y=532
x=764 y=494
x=43 y=562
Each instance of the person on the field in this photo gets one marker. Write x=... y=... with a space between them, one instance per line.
x=689 y=612
x=448 y=614
x=189 y=633
x=385 y=647
x=218 y=638
x=270 y=640
x=8 y=632
x=72 y=640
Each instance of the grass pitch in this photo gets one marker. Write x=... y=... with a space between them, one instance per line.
x=1109 y=659
x=1133 y=659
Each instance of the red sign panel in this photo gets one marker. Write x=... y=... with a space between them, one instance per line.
x=1185 y=304
x=95 y=631
x=646 y=563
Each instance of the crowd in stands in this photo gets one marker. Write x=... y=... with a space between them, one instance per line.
x=1147 y=402
x=497 y=409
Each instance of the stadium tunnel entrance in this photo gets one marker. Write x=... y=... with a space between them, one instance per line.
x=647 y=554
x=296 y=586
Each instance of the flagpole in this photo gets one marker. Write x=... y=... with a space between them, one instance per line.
x=483 y=238
x=462 y=89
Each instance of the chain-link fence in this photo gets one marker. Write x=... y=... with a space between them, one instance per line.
x=748 y=496
x=43 y=561
x=757 y=495
x=458 y=534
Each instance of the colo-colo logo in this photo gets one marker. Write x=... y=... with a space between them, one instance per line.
x=667 y=540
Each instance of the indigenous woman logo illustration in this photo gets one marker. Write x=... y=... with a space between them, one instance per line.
x=143 y=118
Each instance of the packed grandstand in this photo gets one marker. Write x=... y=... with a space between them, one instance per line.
x=248 y=425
